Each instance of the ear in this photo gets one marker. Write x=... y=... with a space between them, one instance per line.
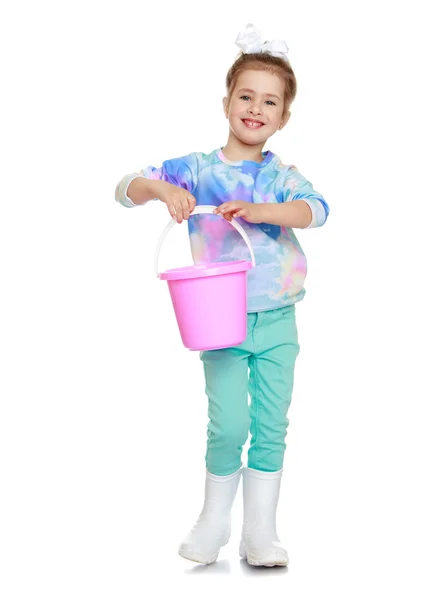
x=225 y=105
x=285 y=120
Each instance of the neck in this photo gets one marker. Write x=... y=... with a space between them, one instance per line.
x=235 y=149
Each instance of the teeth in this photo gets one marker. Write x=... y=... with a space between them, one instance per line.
x=252 y=124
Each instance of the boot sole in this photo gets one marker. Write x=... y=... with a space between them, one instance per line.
x=199 y=558
x=254 y=562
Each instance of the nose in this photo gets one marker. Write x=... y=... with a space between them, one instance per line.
x=255 y=109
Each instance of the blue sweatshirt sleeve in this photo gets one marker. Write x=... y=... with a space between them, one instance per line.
x=182 y=171
x=296 y=187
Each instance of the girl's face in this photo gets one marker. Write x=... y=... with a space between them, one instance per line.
x=255 y=110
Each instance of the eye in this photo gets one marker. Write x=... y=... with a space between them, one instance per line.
x=242 y=97
x=271 y=101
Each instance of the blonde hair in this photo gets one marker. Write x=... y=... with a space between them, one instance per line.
x=263 y=62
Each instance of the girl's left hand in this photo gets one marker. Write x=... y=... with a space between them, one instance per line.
x=238 y=208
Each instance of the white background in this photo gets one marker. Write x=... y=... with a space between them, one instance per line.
x=103 y=411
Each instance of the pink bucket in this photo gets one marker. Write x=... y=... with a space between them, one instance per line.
x=199 y=292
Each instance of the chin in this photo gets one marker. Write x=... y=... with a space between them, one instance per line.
x=253 y=139
x=250 y=142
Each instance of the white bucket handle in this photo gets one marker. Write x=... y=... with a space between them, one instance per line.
x=202 y=210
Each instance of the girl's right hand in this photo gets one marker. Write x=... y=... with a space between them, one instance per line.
x=179 y=201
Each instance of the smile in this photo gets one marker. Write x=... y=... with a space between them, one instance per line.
x=252 y=124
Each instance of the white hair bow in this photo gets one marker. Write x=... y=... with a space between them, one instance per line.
x=250 y=42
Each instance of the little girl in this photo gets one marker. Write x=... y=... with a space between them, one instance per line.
x=270 y=199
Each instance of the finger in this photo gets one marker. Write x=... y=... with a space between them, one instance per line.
x=185 y=209
x=171 y=210
x=179 y=212
x=226 y=207
x=191 y=203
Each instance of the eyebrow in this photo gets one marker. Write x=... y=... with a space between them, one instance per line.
x=252 y=92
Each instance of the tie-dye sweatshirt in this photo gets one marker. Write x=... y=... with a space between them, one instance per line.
x=281 y=266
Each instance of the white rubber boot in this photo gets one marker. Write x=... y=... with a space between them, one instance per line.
x=213 y=527
x=260 y=544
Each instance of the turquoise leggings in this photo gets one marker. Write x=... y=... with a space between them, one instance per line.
x=269 y=353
